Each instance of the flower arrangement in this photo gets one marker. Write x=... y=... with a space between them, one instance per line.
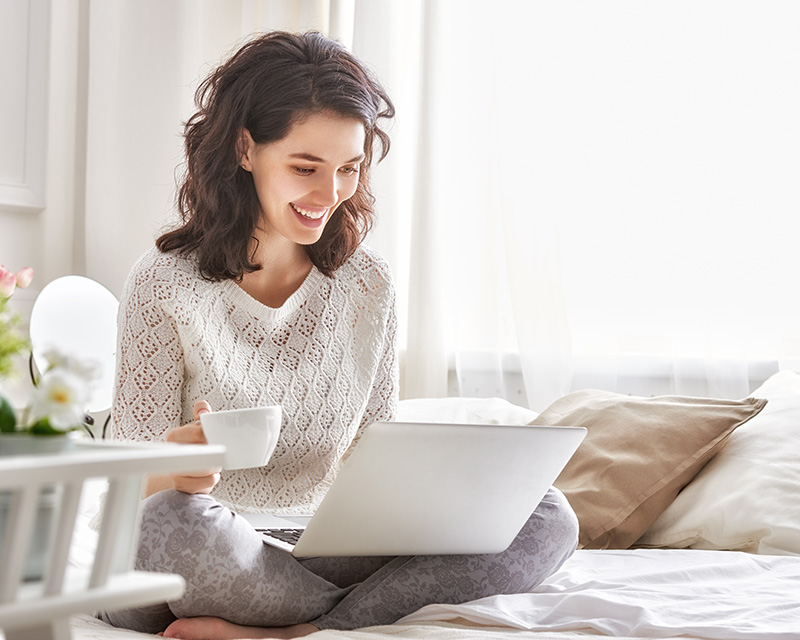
x=60 y=394
x=11 y=343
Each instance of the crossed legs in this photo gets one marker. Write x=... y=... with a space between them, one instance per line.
x=233 y=576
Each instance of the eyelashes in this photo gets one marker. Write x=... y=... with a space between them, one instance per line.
x=348 y=171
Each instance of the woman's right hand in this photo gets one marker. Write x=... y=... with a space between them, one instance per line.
x=198 y=482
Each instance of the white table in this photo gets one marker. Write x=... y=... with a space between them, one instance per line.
x=40 y=610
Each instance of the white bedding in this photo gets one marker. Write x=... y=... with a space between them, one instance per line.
x=655 y=593
x=644 y=593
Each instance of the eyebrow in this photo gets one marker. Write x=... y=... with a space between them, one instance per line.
x=312 y=158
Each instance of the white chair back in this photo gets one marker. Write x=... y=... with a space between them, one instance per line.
x=77 y=316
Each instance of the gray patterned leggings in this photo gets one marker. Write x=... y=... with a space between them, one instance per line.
x=230 y=573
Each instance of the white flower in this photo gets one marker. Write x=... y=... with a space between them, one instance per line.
x=82 y=367
x=62 y=397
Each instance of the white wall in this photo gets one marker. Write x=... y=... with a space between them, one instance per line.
x=117 y=79
x=37 y=233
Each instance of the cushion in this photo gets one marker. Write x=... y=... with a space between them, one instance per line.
x=638 y=454
x=748 y=497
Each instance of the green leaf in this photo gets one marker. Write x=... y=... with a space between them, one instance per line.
x=42 y=428
x=11 y=342
x=8 y=418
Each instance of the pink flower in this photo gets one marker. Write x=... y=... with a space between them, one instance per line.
x=8 y=282
x=24 y=277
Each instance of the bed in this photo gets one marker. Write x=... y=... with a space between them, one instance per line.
x=697 y=535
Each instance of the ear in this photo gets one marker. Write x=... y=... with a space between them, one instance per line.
x=245 y=147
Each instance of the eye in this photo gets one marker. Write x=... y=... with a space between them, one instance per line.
x=304 y=171
x=349 y=171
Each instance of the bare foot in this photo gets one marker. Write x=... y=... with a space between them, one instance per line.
x=208 y=628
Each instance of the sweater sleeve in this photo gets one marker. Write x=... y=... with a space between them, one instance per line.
x=381 y=404
x=149 y=374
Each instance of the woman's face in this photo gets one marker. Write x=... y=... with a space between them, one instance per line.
x=302 y=178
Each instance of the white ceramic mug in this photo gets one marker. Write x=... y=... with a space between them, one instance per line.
x=249 y=435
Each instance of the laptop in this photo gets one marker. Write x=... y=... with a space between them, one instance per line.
x=423 y=488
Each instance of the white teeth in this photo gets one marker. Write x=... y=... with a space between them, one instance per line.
x=312 y=215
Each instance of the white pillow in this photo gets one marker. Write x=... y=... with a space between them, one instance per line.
x=748 y=496
x=463 y=411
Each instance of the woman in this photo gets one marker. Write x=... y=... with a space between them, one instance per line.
x=264 y=295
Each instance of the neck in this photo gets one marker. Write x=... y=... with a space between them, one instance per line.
x=283 y=270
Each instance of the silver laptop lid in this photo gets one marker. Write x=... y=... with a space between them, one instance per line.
x=421 y=488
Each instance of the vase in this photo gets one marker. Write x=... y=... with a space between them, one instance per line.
x=13 y=444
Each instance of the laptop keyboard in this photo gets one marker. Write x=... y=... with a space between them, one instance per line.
x=284 y=535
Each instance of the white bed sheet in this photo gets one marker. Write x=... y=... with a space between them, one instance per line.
x=654 y=593
x=645 y=593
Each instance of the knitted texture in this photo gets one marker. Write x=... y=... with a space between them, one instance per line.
x=327 y=356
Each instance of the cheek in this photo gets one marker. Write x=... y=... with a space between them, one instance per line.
x=348 y=191
x=274 y=188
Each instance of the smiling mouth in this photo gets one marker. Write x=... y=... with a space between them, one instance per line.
x=309 y=214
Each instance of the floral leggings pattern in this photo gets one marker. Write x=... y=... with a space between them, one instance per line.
x=230 y=573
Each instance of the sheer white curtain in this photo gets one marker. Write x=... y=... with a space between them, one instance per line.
x=578 y=195
x=614 y=187
x=472 y=267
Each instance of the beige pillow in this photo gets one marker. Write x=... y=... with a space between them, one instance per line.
x=748 y=497
x=638 y=454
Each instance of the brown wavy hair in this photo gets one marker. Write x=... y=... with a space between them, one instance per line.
x=265 y=87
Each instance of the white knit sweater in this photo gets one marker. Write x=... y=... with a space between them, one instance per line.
x=327 y=356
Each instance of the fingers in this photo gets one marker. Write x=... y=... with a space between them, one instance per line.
x=191 y=433
x=197 y=483
x=201 y=407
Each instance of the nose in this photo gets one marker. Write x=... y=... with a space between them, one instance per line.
x=327 y=189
